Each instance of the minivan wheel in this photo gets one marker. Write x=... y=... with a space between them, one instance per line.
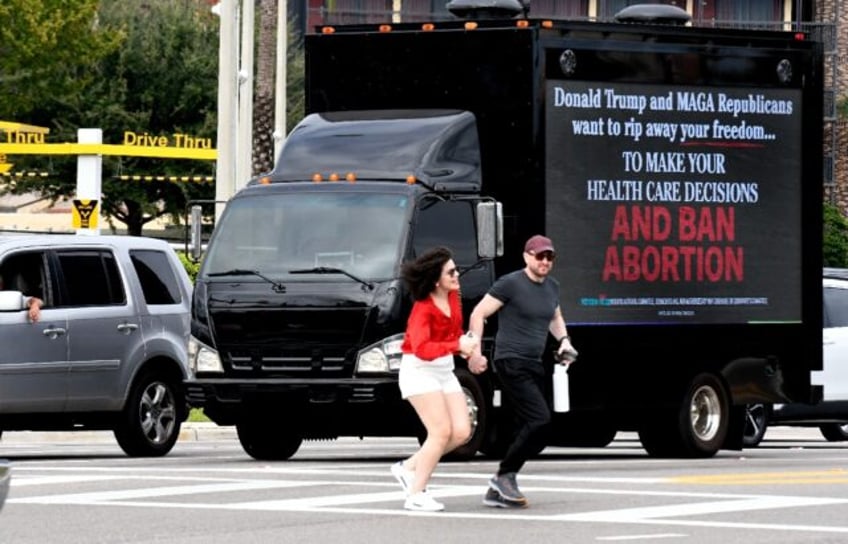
x=150 y=422
x=834 y=432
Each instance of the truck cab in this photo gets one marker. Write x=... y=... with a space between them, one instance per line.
x=299 y=291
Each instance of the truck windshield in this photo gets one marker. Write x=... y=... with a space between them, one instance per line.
x=273 y=234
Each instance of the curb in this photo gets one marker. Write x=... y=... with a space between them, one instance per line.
x=190 y=432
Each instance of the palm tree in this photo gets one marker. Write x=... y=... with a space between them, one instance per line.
x=263 y=100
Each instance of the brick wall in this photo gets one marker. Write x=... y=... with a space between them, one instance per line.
x=836 y=78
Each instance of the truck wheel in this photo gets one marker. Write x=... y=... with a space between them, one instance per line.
x=694 y=426
x=150 y=422
x=476 y=412
x=267 y=442
x=756 y=422
x=834 y=432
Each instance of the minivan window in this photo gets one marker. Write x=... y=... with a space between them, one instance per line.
x=158 y=282
x=91 y=278
x=26 y=271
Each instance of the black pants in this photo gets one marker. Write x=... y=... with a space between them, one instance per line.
x=523 y=383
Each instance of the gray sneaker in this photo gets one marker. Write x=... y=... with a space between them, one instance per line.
x=506 y=485
x=496 y=500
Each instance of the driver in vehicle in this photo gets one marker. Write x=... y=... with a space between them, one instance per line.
x=31 y=303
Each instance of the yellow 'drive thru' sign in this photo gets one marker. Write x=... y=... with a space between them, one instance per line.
x=84 y=215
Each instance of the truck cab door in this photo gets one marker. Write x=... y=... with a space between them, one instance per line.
x=452 y=224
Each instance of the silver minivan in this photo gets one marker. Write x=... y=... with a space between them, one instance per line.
x=109 y=348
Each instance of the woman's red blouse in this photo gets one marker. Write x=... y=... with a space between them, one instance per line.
x=431 y=334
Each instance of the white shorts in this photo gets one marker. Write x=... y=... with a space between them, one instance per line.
x=418 y=376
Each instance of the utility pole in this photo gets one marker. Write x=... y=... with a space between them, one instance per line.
x=280 y=93
x=225 y=168
x=244 y=145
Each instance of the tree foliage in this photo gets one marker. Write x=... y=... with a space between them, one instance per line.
x=148 y=66
x=835 y=240
x=47 y=50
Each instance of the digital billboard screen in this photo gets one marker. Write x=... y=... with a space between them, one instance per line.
x=673 y=204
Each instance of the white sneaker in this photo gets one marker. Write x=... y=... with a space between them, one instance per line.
x=403 y=476
x=423 y=502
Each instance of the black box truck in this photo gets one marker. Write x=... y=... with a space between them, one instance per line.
x=676 y=168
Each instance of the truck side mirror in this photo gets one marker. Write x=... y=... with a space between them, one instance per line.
x=489 y=229
x=196 y=233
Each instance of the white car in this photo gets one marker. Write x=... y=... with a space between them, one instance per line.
x=5 y=476
x=830 y=415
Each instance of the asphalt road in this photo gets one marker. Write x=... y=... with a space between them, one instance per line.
x=80 y=488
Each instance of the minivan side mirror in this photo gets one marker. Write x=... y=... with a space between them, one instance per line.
x=489 y=229
x=11 y=301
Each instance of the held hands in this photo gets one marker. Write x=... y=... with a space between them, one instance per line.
x=467 y=344
x=566 y=354
x=477 y=364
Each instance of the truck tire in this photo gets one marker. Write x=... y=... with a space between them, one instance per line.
x=834 y=432
x=150 y=422
x=267 y=442
x=596 y=434
x=693 y=426
x=477 y=412
x=756 y=423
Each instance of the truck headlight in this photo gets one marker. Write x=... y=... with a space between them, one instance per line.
x=383 y=356
x=202 y=358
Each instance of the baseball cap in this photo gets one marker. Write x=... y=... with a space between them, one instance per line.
x=538 y=243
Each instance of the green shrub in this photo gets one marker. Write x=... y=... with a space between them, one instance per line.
x=190 y=266
x=196 y=414
x=835 y=239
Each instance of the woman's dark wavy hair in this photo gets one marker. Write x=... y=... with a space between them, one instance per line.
x=422 y=274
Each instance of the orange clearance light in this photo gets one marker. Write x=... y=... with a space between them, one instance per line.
x=385 y=28
x=547 y=24
x=334 y=177
x=327 y=30
x=410 y=180
x=523 y=23
x=470 y=25
x=351 y=177
x=264 y=180
x=427 y=27
x=317 y=177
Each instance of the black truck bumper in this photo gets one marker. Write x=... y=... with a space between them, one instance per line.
x=336 y=407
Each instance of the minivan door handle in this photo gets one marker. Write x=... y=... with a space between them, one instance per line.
x=127 y=328
x=53 y=332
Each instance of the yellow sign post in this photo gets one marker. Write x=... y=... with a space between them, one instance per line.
x=24 y=139
x=84 y=214
x=110 y=149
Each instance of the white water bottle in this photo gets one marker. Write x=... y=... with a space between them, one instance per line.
x=561 y=401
